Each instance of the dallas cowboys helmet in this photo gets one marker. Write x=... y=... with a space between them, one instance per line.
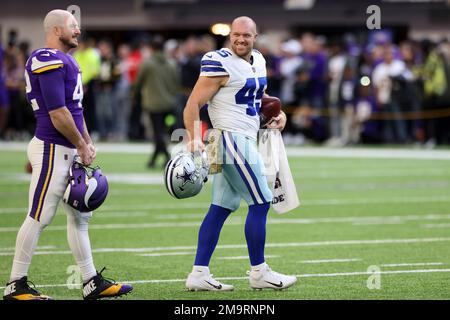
x=185 y=174
x=87 y=187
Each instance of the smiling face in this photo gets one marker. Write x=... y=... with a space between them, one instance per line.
x=243 y=37
x=69 y=33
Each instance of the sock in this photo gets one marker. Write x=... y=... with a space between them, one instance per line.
x=200 y=269
x=209 y=232
x=255 y=232
x=78 y=238
x=258 y=267
x=26 y=242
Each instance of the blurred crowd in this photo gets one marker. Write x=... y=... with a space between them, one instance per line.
x=340 y=92
x=336 y=91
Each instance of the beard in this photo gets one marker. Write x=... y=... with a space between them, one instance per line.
x=243 y=52
x=68 y=42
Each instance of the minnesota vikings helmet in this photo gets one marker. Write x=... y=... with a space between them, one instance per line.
x=185 y=174
x=87 y=187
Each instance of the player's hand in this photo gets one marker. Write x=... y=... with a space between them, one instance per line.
x=85 y=155
x=93 y=151
x=195 y=145
x=278 y=122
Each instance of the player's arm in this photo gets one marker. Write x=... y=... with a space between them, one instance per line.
x=53 y=93
x=88 y=140
x=204 y=90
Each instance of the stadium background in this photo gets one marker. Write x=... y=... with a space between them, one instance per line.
x=372 y=191
x=122 y=30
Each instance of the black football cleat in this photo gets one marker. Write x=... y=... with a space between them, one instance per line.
x=98 y=288
x=20 y=290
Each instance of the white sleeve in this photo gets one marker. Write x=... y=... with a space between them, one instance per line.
x=211 y=66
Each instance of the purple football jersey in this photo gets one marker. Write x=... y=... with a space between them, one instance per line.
x=53 y=80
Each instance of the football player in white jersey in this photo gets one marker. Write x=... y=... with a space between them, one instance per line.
x=232 y=82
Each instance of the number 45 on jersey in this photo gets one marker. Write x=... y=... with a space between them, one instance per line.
x=251 y=94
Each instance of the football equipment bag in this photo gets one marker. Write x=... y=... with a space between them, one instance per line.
x=186 y=173
x=87 y=187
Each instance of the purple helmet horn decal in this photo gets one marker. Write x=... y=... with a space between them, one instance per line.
x=87 y=188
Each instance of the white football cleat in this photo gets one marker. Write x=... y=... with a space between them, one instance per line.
x=204 y=281
x=265 y=278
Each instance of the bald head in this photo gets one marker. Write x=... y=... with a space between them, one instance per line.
x=244 y=21
x=56 y=18
x=243 y=36
x=61 y=30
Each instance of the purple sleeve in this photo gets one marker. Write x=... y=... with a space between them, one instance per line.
x=53 y=89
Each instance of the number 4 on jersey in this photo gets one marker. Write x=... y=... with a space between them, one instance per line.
x=78 y=92
x=247 y=94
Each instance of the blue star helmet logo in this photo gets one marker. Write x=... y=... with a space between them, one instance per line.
x=186 y=177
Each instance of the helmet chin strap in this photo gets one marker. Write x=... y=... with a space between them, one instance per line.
x=78 y=160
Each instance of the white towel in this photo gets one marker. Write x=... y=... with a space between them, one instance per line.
x=271 y=147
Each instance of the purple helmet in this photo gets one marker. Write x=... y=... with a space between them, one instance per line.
x=87 y=188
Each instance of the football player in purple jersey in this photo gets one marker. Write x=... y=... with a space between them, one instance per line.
x=55 y=92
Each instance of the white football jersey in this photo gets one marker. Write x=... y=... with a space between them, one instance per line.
x=235 y=107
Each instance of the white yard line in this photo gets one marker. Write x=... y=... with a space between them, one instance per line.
x=117 y=208
x=330 y=260
x=13 y=210
x=412 y=264
x=305 y=203
x=38 y=247
x=437 y=225
x=55 y=252
x=380 y=201
x=116 y=226
x=238 y=220
x=350 y=219
x=370 y=273
x=303 y=151
x=246 y=257
x=123 y=178
x=268 y=245
x=342 y=174
x=126 y=214
x=376 y=223
x=312 y=275
x=180 y=205
x=162 y=254
x=157 y=179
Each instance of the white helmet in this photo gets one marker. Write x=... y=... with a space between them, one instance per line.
x=185 y=174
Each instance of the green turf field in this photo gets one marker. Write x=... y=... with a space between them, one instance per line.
x=357 y=212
